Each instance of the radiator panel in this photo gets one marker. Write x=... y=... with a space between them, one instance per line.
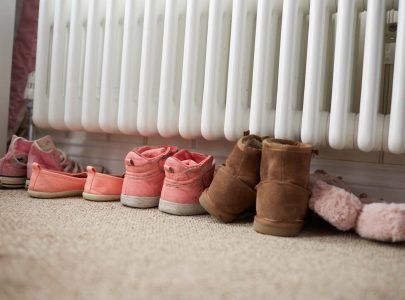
x=171 y=68
x=297 y=69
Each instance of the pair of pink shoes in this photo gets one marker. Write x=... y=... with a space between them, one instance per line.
x=15 y=166
x=92 y=185
x=334 y=201
x=164 y=177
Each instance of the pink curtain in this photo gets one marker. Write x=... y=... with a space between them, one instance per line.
x=23 y=63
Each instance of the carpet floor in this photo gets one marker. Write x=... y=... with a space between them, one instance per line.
x=74 y=249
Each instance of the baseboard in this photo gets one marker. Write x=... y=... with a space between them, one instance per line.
x=365 y=172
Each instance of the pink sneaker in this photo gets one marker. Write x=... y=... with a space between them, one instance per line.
x=187 y=175
x=54 y=184
x=44 y=152
x=144 y=175
x=13 y=166
x=102 y=187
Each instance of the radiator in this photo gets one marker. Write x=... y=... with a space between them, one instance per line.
x=330 y=73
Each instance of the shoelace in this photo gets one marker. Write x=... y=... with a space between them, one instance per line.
x=69 y=165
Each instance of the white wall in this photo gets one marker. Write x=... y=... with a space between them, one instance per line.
x=7 y=15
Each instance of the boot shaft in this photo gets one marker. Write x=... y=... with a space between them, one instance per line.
x=286 y=161
x=244 y=160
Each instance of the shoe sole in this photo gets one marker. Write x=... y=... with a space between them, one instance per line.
x=27 y=184
x=279 y=229
x=94 y=197
x=205 y=203
x=139 y=202
x=180 y=209
x=12 y=182
x=48 y=195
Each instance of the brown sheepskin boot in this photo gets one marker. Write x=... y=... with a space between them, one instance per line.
x=282 y=194
x=232 y=191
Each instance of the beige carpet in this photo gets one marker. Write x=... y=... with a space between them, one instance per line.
x=74 y=249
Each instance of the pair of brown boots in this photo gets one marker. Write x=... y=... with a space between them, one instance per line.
x=278 y=170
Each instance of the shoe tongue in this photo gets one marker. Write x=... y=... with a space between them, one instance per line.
x=186 y=158
x=19 y=144
x=151 y=153
x=45 y=143
x=189 y=162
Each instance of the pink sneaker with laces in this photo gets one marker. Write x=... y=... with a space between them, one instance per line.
x=44 y=152
x=13 y=165
x=187 y=175
x=102 y=187
x=144 y=175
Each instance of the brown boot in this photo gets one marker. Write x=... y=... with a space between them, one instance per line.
x=232 y=191
x=282 y=194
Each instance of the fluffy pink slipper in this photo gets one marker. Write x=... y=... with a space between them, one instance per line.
x=334 y=204
x=331 y=199
x=382 y=222
x=331 y=180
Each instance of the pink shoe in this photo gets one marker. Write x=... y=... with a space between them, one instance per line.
x=102 y=187
x=144 y=175
x=44 y=152
x=187 y=175
x=13 y=166
x=54 y=184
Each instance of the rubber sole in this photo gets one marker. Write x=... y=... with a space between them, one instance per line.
x=181 y=209
x=139 y=202
x=47 y=195
x=279 y=229
x=94 y=197
x=12 y=182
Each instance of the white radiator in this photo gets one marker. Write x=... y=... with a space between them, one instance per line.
x=320 y=70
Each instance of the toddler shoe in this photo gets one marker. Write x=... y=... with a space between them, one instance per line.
x=102 y=187
x=54 y=184
x=232 y=192
x=13 y=166
x=44 y=152
x=187 y=175
x=144 y=175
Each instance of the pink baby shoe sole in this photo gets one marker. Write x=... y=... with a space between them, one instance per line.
x=54 y=184
x=102 y=187
x=181 y=209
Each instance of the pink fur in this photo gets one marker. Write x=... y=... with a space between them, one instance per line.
x=370 y=217
x=334 y=204
x=382 y=222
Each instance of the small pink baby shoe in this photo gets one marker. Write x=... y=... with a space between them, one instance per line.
x=144 y=175
x=54 y=184
x=187 y=175
x=13 y=165
x=102 y=187
x=44 y=152
x=334 y=204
